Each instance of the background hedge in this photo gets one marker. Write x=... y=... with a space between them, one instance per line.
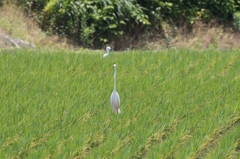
x=92 y=23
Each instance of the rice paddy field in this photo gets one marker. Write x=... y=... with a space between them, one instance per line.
x=174 y=104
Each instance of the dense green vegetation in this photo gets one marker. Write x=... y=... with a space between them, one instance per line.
x=92 y=23
x=174 y=104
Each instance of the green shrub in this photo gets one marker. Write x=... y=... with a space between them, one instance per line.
x=91 y=21
x=236 y=21
x=32 y=5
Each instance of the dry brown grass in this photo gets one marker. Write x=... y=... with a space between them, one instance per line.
x=200 y=36
x=210 y=35
x=14 y=23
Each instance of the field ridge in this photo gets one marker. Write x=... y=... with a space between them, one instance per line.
x=156 y=138
x=212 y=140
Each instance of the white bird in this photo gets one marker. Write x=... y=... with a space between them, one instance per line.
x=108 y=51
x=114 y=98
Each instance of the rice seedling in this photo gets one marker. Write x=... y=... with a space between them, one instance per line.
x=174 y=104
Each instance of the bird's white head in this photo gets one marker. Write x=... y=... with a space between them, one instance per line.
x=114 y=65
x=108 y=48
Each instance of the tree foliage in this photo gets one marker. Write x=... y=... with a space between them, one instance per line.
x=91 y=22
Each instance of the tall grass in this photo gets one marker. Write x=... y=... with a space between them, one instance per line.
x=174 y=104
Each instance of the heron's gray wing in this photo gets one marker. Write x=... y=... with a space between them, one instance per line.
x=118 y=98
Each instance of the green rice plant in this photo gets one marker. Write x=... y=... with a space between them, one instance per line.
x=174 y=104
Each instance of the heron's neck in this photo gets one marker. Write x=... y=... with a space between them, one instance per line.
x=107 y=51
x=115 y=74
